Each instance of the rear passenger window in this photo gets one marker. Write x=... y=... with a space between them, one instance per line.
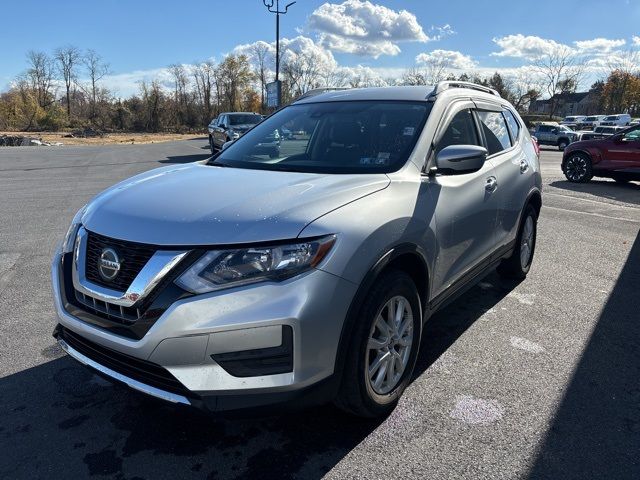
x=461 y=131
x=514 y=126
x=495 y=131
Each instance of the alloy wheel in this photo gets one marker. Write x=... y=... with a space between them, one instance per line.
x=576 y=168
x=389 y=345
x=526 y=242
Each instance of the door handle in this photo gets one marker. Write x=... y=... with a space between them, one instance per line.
x=524 y=166
x=491 y=185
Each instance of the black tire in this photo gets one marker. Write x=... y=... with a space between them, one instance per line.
x=356 y=394
x=577 y=168
x=562 y=144
x=513 y=266
x=211 y=146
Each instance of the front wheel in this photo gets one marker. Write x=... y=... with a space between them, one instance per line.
x=383 y=348
x=519 y=263
x=578 y=168
x=562 y=144
x=211 y=146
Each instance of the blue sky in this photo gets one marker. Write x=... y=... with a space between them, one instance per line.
x=145 y=36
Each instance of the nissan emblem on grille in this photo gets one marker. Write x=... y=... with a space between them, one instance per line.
x=108 y=264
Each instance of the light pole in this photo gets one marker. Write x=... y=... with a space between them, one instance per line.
x=269 y=4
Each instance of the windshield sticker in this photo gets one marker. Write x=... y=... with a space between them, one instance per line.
x=383 y=158
x=408 y=131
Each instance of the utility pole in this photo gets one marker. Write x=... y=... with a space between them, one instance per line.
x=270 y=6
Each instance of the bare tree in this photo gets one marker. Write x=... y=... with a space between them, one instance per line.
x=40 y=76
x=260 y=53
x=413 y=77
x=233 y=77
x=67 y=59
x=204 y=76
x=302 y=72
x=559 y=67
x=97 y=70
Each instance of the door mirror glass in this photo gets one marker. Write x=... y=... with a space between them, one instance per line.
x=457 y=159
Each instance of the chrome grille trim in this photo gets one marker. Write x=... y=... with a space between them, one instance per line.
x=158 y=266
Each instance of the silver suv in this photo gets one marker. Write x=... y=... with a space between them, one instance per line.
x=247 y=280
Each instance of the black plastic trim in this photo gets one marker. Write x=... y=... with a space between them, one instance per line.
x=260 y=361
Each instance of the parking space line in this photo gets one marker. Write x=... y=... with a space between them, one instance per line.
x=593 y=214
x=592 y=201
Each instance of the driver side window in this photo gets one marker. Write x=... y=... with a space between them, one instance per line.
x=461 y=131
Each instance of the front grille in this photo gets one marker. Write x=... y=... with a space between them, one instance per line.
x=140 y=370
x=116 y=313
x=133 y=257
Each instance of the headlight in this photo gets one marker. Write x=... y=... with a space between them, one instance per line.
x=70 y=237
x=218 y=269
x=234 y=135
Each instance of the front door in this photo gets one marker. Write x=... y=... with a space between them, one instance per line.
x=623 y=152
x=466 y=205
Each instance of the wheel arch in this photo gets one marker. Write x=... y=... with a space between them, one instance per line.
x=407 y=257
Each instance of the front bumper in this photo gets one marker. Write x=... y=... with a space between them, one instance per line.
x=192 y=331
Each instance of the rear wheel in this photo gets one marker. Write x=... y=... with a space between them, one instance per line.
x=577 y=168
x=383 y=348
x=519 y=263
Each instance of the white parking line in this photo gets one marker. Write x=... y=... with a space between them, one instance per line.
x=592 y=214
x=590 y=200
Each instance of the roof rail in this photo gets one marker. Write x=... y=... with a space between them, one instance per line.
x=447 y=84
x=317 y=91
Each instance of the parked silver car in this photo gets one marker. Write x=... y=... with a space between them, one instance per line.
x=247 y=280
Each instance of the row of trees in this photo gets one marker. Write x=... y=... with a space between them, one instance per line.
x=67 y=88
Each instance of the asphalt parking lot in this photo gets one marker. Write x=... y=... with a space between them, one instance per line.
x=535 y=380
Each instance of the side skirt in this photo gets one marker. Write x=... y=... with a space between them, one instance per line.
x=469 y=279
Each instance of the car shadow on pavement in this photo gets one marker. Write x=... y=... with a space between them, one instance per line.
x=59 y=420
x=446 y=326
x=195 y=157
x=596 y=430
x=622 y=192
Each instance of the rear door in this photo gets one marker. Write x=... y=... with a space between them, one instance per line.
x=512 y=169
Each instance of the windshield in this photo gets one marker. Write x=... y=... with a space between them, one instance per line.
x=591 y=119
x=248 y=119
x=611 y=118
x=331 y=137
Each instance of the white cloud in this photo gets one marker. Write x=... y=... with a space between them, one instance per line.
x=441 y=32
x=599 y=45
x=449 y=59
x=636 y=41
x=127 y=84
x=364 y=28
x=528 y=47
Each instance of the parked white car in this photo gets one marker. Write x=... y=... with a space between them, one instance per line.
x=634 y=121
x=619 y=120
x=592 y=121
x=573 y=119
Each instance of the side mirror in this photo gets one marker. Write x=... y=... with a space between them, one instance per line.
x=226 y=144
x=457 y=159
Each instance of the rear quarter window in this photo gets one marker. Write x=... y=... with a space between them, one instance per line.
x=513 y=124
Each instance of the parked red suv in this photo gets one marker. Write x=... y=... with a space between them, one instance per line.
x=617 y=157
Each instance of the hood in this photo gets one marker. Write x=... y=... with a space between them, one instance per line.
x=196 y=204
x=242 y=127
